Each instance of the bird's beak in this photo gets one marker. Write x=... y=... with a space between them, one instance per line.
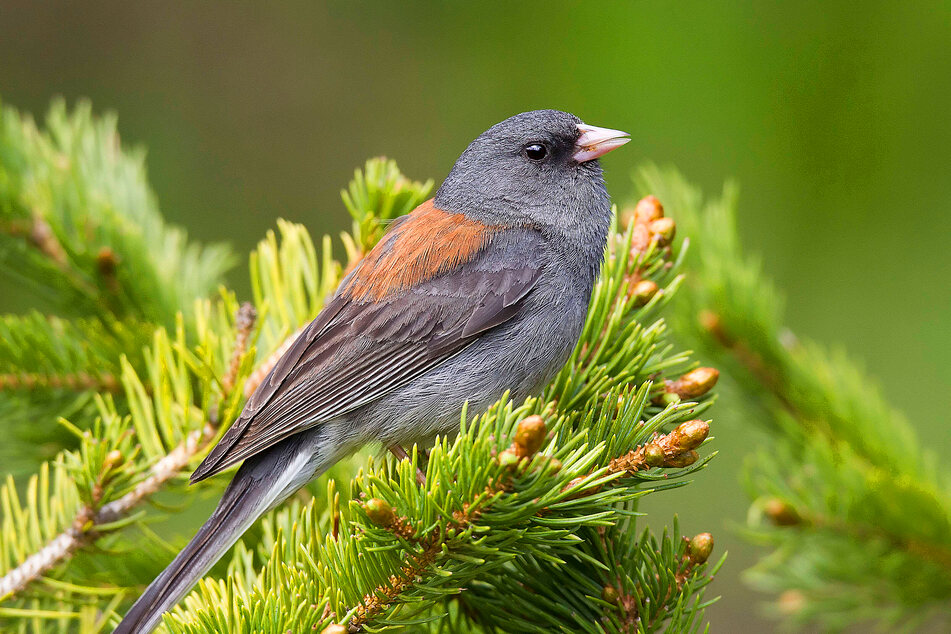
x=595 y=142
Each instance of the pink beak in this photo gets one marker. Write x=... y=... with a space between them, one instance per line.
x=595 y=142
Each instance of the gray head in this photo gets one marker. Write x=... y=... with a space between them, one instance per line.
x=537 y=168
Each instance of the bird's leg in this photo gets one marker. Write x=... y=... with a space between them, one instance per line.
x=401 y=454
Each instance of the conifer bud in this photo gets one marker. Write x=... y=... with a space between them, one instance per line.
x=380 y=512
x=112 y=459
x=530 y=435
x=640 y=237
x=696 y=382
x=700 y=548
x=334 y=629
x=683 y=460
x=709 y=321
x=648 y=209
x=643 y=292
x=508 y=458
x=791 y=602
x=106 y=262
x=653 y=455
x=781 y=513
x=610 y=594
x=664 y=229
x=689 y=435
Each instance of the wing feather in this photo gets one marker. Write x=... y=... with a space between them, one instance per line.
x=356 y=351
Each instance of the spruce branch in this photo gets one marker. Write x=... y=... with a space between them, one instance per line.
x=856 y=512
x=93 y=517
x=80 y=229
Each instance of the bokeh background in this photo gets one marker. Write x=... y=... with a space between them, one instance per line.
x=833 y=116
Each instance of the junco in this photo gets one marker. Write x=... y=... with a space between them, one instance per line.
x=482 y=289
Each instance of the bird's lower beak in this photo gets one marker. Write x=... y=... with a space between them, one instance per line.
x=595 y=142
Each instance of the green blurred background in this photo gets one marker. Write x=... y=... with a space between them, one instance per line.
x=833 y=116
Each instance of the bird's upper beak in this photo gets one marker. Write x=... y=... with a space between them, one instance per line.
x=595 y=142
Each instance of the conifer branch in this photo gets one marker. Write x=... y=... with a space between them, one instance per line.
x=85 y=527
x=856 y=511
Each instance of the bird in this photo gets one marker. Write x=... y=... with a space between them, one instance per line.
x=481 y=290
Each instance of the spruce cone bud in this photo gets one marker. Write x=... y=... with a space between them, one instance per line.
x=610 y=594
x=530 y=435
x=648 y=209
x=709 y=321
x=106 y=262
x=700 y=548
x=334 y=629
x=112 y=459
x=689 y=435
x=643 y=292
x=683 y=460
x=696 y=382
x=640 y=238
x=380 y=512
x=508 y=459
x=654 y=455
x=664 y=229
x=781 y=513
x=791 y=602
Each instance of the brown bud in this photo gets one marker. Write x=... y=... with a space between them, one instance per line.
x=379 y=511
x=112 y=459
x=664 y=229
x=530 y=435
x=508 y=459
x=781 y=513
x=643 y=292
x=610 y=594
x=700 y=548
x=696 y=382
x=648 y=209
x=640 y=237
x=334 y=629
x=689 y=435
x=683 y=460
x=709 y=321
x=106 y=261
x=653 y=455
x=791 y=602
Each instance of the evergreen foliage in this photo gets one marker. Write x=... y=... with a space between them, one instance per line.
x=527 y=519
x=854 y=511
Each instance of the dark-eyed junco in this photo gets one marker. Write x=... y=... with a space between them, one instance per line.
x=482 y=289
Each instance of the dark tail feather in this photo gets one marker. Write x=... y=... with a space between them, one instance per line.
x=261 y=483
x=235 y=513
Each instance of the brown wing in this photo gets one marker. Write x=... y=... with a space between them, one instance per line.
x=375 y=336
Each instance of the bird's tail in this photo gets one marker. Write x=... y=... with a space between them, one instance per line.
x=261 y=483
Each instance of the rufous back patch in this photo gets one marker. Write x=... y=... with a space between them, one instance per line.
x=429 y=242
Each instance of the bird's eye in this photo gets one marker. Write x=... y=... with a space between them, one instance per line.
x=536 y=151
